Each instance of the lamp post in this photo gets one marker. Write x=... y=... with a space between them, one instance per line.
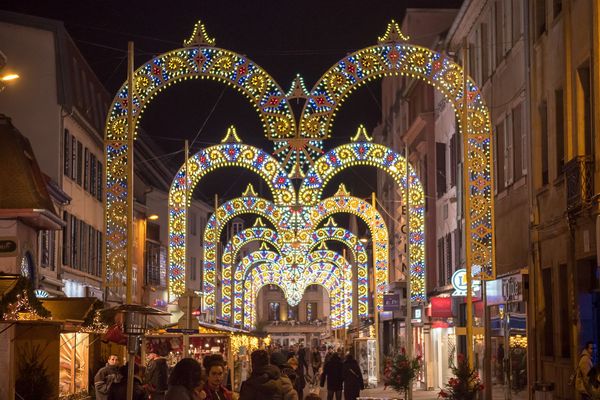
x=135 y=323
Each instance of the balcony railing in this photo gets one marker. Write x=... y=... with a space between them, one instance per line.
x=579 y=176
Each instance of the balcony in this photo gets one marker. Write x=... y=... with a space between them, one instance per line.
x=579 y=177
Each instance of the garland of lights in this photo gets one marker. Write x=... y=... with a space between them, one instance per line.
x=296 y=216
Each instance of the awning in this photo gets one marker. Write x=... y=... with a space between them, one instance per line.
x=7 y=284
x=74 y=309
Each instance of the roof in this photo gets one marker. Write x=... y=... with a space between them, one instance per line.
x=22 y=184
x=69 y=308
x=7 y=283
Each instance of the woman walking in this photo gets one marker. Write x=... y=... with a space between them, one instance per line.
x=185 y=381
x=353 y=380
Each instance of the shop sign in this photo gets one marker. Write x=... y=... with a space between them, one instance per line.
x=417 y=315
x=8 y=247
x=459 y=283
x=391 y=302
x=182 y=330
x=512 y=288
x=441 y=307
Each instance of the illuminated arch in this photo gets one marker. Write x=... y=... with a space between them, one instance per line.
x=324 y=274
x=256 y=257
x=332 y=232
x=394 y=57
x=200 y=59
x=342 y=202
x=387 y=160
x=206 y=160
x=215 y=225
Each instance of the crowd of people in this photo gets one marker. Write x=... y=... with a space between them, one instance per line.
x=276 y=373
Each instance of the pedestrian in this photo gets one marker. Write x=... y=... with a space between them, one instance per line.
x=106 y=376
x=583 y=368
x=214 y=367
x=185 y=381
x=118 y=390
x=265 y=381
x=300 y=383
x=500 y=361
x=333 y=372
x=302 y=359
x=592 y=384
x=316 y=361
x=353 y=380
x=280 y=360
x=156 y=377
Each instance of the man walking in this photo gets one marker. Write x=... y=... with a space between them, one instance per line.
x=106 y=376
x=333 y=371
x=156 y=376
x=583 y=368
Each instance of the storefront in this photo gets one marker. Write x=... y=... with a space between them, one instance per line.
x=507 y=305
x=441 y=347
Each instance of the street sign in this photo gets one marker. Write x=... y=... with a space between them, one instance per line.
x=459 y=283
x=391 y=302
x=183 y=330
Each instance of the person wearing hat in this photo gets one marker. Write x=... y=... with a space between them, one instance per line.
x=281 y=361
x=157 y=376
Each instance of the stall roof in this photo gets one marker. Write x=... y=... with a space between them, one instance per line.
x=70 y=308
x=7 y=283
x=219 y=327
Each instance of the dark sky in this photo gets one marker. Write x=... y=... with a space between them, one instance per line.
x=284 y=37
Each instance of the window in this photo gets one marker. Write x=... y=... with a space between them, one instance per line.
x=79 y=161
x=508 y=151
x=517 y=132
x=274 y=311
x=448 y=271
x=311 y=311
x=192 y=223
x=48 y=249
x=440 y=167
x=292 y=313
x=74 y=243
x=540 y=17
x=499 y=34
x=93 y=184
x=236 y=228
x=453 y=159
x=66 y=239
x=67 y=153
x=73 y=158
x=499 y=157
x=584 y=106
x=484 y=43
x=548 y=327
x=556 y=7
x=559 y=117
x=86 y=169
x=544 y=139
x=507 y=28
x=192 y=269
x=99 y=180
x=563 y=304
x=152 y=263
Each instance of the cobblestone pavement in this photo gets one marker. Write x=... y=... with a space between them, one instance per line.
x=380 y=393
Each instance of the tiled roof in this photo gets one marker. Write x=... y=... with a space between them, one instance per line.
x=22 y=184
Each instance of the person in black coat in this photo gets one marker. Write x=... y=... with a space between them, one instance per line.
x=353 y=380
x=118 y=390
x=333 y=371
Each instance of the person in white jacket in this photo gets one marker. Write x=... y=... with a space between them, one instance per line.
x=583 y=368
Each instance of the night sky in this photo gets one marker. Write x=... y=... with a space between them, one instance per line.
x=284 y=37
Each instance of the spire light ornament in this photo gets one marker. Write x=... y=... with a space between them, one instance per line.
x=361 y=135
x=231 y=136
x=392 y=34
x=199 y=37
x=298 y=89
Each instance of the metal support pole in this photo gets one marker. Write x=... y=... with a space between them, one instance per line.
x=408 y=320
x=375 y=309
x=130 y=175
x=467 y=214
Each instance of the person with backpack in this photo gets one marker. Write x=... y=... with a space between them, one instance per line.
x=583 y=368
x=265 y=381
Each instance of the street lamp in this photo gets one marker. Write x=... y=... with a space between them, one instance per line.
x=135 y=323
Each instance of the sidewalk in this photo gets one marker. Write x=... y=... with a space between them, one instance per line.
x=380 y=393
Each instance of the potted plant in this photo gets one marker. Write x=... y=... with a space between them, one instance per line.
x=465 y=385
x=400 y=371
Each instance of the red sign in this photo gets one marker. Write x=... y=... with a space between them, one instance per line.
x=441 y=307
